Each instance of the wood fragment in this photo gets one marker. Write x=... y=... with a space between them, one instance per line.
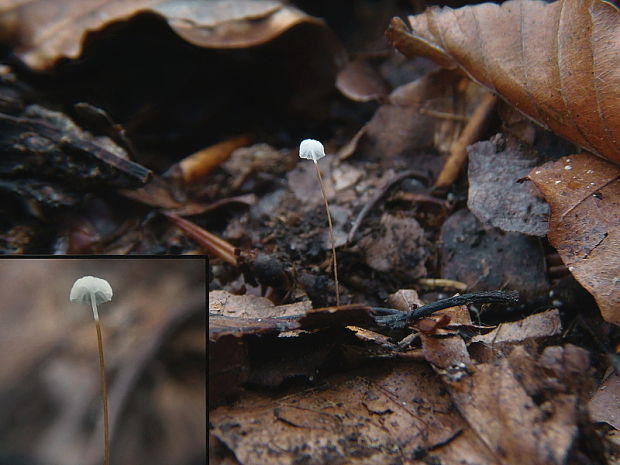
x=57 y=136
x=212 y=244
x=472 y=131
x=442 y=283
x=198 y=165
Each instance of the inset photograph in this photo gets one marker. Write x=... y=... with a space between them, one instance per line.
x=103 y=361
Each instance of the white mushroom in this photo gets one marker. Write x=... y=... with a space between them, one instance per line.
x=91 y=290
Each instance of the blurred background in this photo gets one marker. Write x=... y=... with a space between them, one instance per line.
x=154 y=343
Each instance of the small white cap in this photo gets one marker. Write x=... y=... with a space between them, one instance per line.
x=311 y=149
x=83 y=287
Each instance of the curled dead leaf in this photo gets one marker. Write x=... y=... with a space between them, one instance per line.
x=556 y=62
x=583 y=192
x=361 y=82
x=44 y=31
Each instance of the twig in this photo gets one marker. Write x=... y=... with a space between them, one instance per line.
x=442 y=114
x=396 y=319
x=441 y=282
x=211 y=243
x=471 y=132
x=200 y=164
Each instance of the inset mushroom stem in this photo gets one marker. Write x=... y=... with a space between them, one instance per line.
x=104 y=386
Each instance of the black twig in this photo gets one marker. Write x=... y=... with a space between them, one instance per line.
x=395 y=319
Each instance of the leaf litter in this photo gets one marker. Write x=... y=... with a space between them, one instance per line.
x=205 y=160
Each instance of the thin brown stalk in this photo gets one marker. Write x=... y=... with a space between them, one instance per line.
x=331 y=231
x=104 y=398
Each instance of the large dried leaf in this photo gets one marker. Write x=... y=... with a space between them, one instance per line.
x=584 y=194
x=44 y=31
x=556 y=62
x=371 y=416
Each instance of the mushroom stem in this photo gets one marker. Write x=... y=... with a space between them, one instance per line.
x=104 y=385
x=331 y=230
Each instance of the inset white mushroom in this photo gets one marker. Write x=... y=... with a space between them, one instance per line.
x=91 y=290
x=94 y=291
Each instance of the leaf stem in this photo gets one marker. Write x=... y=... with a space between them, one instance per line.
x=331 y=231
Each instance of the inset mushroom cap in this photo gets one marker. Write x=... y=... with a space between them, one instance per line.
x=83 y=287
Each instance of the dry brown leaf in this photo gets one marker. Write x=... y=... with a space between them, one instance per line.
x=584 y=194
x=556 y=62
x=44 y=31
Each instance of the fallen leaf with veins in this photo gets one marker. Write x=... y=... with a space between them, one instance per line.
x=583 y=192
x=556 y=62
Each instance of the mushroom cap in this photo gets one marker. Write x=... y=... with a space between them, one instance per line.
x=311 y=149
x=83 y=287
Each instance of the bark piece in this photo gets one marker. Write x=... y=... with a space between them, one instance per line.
x=48 y=145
